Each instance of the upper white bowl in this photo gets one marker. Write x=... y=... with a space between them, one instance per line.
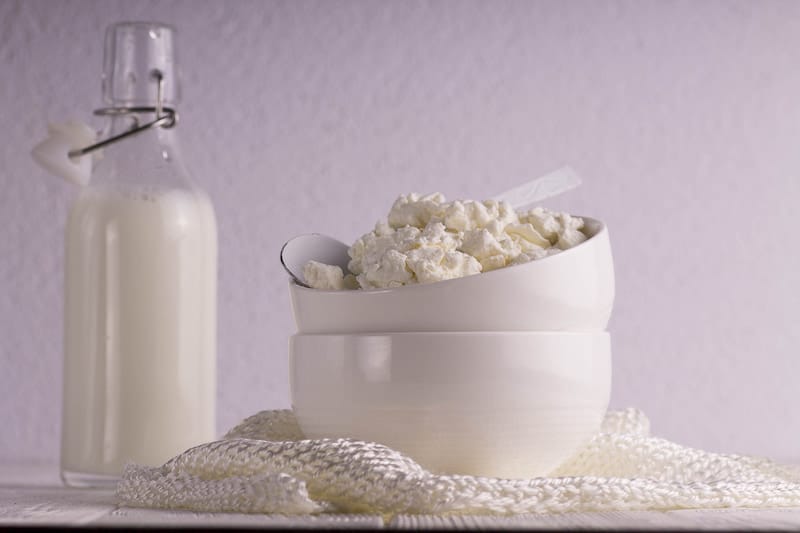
x=569 y=291
x=513 y=405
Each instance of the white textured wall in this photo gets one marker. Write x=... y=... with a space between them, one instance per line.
x=683 y=118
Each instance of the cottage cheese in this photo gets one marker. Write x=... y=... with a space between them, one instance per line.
x=426 y=239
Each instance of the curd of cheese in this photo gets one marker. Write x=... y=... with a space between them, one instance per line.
x=426 y=239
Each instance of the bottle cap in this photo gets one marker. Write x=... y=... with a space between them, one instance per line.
x=136 y=53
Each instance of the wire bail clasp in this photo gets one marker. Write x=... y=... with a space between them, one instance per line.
x=166 y=117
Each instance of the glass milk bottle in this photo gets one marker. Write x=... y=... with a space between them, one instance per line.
x=140 y=281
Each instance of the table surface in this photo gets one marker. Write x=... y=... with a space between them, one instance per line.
x=33 y=495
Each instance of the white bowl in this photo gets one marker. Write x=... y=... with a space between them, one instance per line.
x=569 y=291
x=499 y=404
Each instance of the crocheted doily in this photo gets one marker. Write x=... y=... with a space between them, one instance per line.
x=264 y=465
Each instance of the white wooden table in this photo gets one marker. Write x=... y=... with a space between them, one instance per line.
x=33 y=495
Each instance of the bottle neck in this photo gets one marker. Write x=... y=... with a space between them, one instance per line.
x=151 y=158
x=139 y=71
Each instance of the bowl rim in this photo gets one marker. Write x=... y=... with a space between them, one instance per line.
x=602 y=228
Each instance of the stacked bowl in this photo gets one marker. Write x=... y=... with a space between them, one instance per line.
x=500 y=374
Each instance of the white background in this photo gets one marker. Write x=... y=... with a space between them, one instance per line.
x=682 y=117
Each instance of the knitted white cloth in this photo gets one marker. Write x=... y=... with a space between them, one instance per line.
x=264 y=465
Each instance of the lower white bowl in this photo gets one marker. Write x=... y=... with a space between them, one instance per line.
x=498 y=404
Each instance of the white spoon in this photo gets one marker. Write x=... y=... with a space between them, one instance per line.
x=551 y=184
x=312 y=247
x=323 y=249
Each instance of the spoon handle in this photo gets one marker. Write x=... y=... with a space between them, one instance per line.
x=549 y=185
